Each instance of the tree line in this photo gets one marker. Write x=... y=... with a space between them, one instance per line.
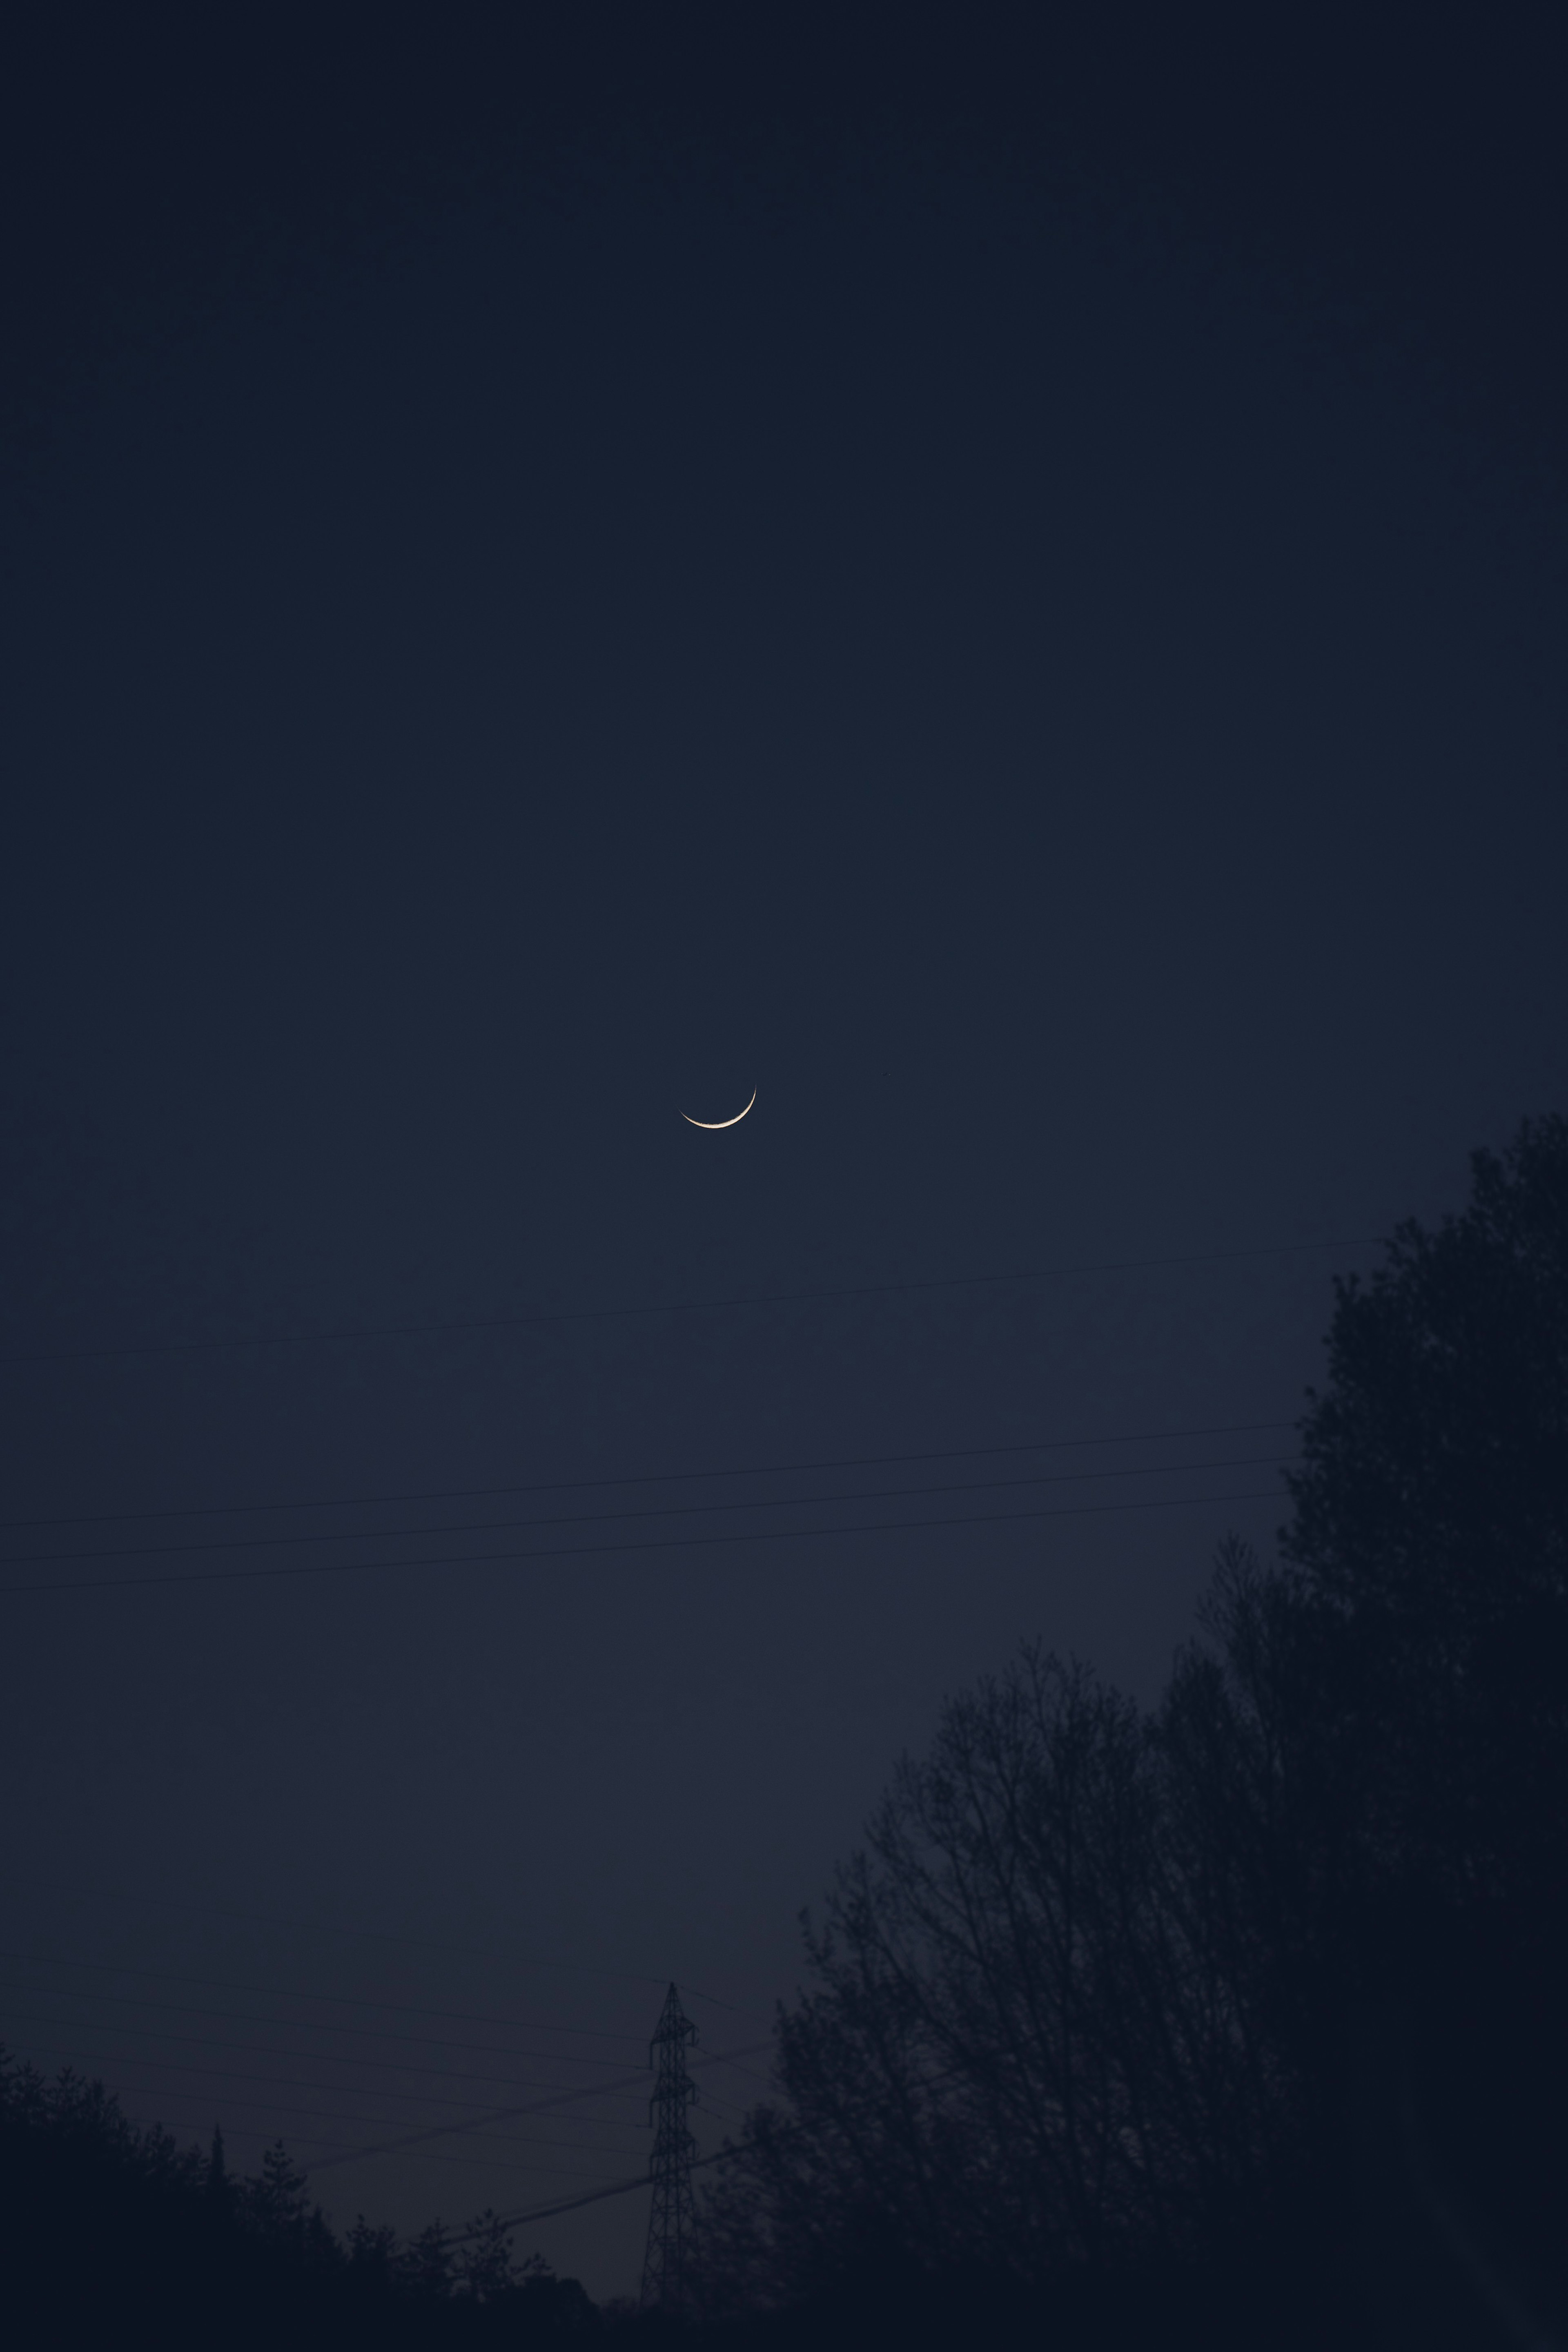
x=109 y=2224
x=1235 y=2020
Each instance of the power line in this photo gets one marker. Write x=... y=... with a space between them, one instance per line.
x=306 y=2025
x=711 y=2103
x=459 y=2127
x=328 y=2058
x=309 y=2025
x=439 y=2131
x=615 y=2189
x=301 y=2140
x=204 y=2103
x=324 y=2057
x=408 y=2141
x=644 y=1477
x=679 y=1306
x=347 y=2001
x=570 y=2204
x=426 y=2155
x=632 y=2086
x=431 y=2156
x=661 y=1543
x=332 y=2115
x=751 y=2074
x=434 y=2156
x=629 y=2088
x=641 y=1511
x=371 y=1935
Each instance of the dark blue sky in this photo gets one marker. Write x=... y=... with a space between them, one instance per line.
x=1021 y=618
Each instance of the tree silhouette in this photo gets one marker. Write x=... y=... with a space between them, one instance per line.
x=278 y=2201
x=1266 y=1983
x=1431 y=1529
x=108 y=2228
x=219 y=2188
x=427 y=2265
x=372 y=2250
x=1426 y=1612
x=486 y=2269
x=1022 y=2052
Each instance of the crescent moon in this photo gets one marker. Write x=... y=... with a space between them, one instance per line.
x=713 y=1125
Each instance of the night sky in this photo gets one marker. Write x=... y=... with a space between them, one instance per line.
x=995 y=578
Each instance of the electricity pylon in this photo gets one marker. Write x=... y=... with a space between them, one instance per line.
x=670 y=2221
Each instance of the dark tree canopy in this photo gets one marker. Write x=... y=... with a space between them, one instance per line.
x=1430 y=1528
x=1019 y=2053
x=111 y=2233
x=1265 y=1985
x=1434 y=1484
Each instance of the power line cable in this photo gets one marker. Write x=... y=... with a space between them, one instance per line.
x=641 y=1478
x=204 y=2105
x=299 y=2141
x=370 y=2032
x=752 y=2075
x=596 y=1552
x=570 y=2204
x=316 y=2057
x=639 y=1511
x=627 y=2088
x=594 y=2196
x=334 y=2116
x=491 y=2164
x=680 y=1307
x=431 y=2156
x=409 y=2142
x=632 y=2086
x=345 y=2001
x=439 y=2131
x=262 y=2048
x=371 y=1935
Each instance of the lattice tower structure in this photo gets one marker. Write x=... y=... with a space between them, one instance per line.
x=665 y=2280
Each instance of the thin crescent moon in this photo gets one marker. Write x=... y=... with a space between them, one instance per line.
x=713 y=1125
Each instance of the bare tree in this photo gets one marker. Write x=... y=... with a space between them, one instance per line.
x=1022 y=2048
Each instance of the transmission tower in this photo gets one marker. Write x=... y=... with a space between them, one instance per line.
x=670 y=2221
